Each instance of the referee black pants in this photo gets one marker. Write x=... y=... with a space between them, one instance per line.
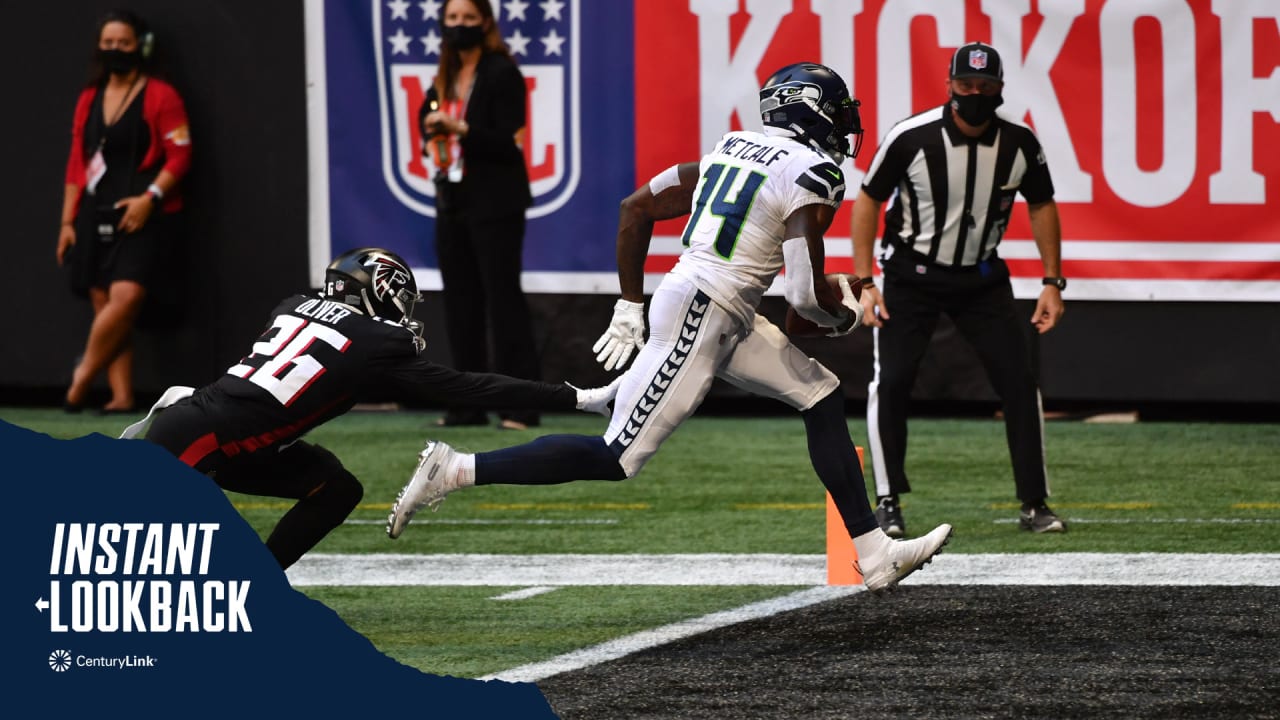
x=981 y=305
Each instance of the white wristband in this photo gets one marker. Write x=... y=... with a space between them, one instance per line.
x=155 y=190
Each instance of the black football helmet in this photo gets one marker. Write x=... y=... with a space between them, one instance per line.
x=377 y=282
x=813 y=103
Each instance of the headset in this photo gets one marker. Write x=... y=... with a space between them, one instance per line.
x=146 y=38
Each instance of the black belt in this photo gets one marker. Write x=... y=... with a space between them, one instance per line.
x=903 y=253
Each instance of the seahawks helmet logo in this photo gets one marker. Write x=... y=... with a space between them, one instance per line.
x=789 y=93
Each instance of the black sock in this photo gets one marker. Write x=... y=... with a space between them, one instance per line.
x=835 y=459
x=549 y=460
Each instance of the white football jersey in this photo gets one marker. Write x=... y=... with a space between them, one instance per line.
x=751 y=183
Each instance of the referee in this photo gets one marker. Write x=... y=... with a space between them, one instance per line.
x=950 y=175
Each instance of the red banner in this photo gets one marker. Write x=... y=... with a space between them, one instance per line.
x=1160 y=119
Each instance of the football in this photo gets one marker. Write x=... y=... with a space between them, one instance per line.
x=798 y=326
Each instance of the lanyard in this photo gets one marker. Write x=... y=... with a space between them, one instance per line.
x=102 y=141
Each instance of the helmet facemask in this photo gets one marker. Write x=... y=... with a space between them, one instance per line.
x=847 y=122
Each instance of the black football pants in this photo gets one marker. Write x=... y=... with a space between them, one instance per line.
x=325 y=491
x=982 y=308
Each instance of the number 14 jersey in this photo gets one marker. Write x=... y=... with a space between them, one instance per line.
x=749 y=185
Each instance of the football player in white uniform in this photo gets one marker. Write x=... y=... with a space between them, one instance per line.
x=757 y=202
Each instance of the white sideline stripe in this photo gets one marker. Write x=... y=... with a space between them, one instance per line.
x=614 y=649
x=525 y=593
x=385 y=569
x=1159 y=521
x=528 y=570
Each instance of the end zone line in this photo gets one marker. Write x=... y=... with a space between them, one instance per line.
x=614 y=649
x=387 y=569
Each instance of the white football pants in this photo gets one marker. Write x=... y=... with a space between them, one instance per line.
x=692 y=340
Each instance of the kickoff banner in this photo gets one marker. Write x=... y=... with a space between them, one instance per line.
x=378 y=58
x=1159 y=119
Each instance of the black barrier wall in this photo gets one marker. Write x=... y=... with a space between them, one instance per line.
x=240 y=67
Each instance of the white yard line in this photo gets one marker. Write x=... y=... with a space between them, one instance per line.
x=614 y=649
x=1158 y=521
x=724 y=569
x=528 y=570
x=526 y=593
x=544 y=573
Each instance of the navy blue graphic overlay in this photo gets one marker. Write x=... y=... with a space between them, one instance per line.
x=133 y=583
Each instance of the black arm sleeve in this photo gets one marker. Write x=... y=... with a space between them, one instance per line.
x=427 y=382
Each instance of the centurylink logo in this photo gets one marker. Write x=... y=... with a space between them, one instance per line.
x=60 y=660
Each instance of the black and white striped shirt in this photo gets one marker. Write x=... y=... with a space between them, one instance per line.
x=954 y=193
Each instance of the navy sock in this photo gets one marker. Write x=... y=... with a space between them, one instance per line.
x=549 y=460
x=835 y=459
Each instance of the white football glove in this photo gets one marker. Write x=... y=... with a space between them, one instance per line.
x=597 y=400
x=625 y=333
x=170 y=396
x=854 y=305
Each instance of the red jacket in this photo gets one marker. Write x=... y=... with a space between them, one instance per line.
x=166 y=119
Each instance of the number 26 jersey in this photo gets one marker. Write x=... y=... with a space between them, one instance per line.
x=318 y=358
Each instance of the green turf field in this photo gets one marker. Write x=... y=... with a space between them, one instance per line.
x=743 y=485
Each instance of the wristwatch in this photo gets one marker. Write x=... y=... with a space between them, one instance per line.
x=1058 y=282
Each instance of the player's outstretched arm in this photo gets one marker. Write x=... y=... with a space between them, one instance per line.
x=429 y=383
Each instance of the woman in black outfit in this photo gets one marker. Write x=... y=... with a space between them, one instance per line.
x=130 y=150
x=472 y=121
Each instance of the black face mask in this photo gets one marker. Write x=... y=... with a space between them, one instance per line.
x=463 y=37
x=976 y=109
x=119 y=62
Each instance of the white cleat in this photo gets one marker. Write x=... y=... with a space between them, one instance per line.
x=434 y=478
x=899 y=559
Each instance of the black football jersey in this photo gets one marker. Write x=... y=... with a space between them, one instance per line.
x=317 y=358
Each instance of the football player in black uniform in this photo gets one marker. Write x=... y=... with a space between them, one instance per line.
x=356 y=341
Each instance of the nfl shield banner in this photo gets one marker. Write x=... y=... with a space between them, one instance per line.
x=376 y=59
x=542 y=38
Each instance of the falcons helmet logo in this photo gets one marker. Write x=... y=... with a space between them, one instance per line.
x=388 y=276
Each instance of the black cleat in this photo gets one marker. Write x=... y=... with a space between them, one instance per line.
x=1038 y=518
x=889 y=515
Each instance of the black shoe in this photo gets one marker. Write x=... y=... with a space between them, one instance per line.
x=889 y=515
x=1038 y=518
x=463 y=418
